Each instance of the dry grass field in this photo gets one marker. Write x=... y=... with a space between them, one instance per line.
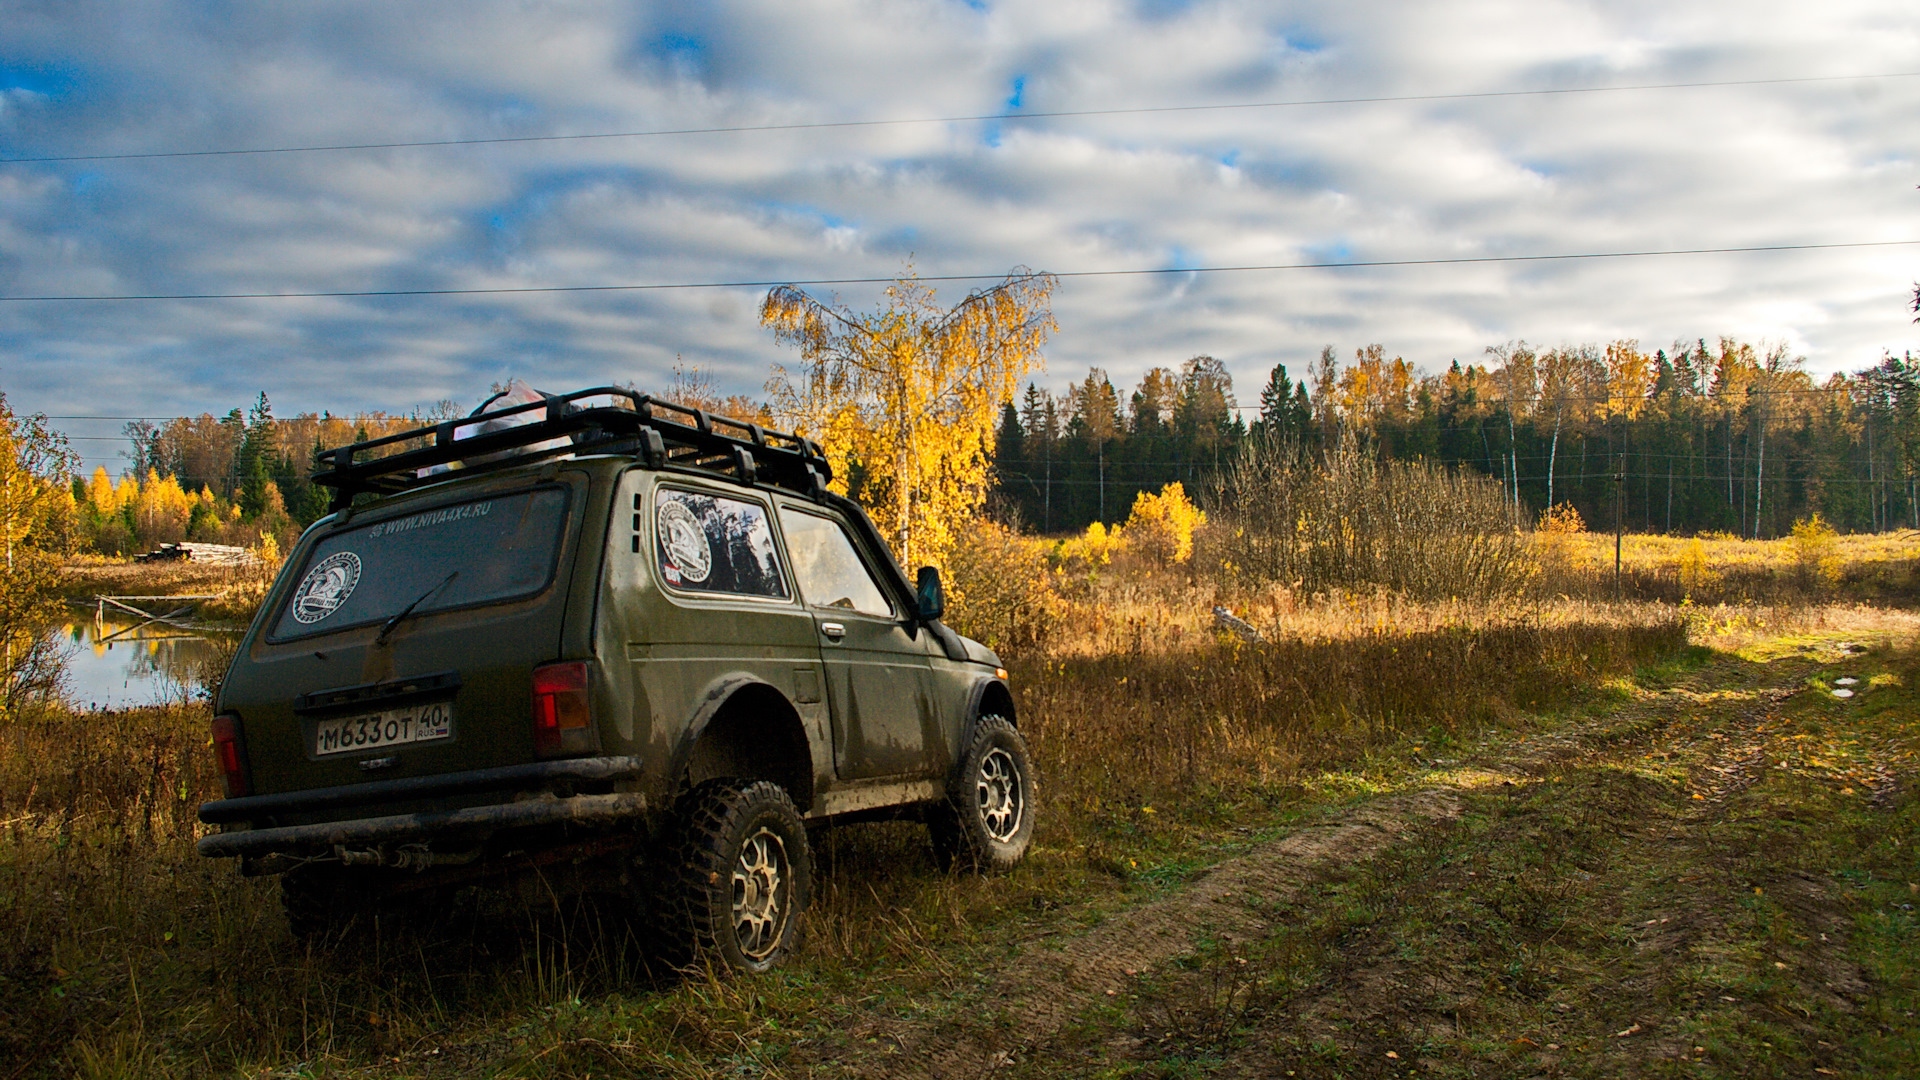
x=1878 y=568
x=1390 y=832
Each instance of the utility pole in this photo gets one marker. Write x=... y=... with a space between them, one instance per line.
x=1046 y=501
x=1100 y=451
x=1619 y=519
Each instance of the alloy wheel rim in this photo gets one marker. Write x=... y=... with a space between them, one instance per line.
x=760 y=907
x=999 y=791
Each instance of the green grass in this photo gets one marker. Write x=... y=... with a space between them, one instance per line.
x=1597 y=919
x=123 y=954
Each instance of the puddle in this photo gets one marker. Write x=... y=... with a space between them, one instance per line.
x=114 y=662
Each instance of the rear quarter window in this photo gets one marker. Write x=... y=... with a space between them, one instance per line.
x=716 y=545
x=462 y=554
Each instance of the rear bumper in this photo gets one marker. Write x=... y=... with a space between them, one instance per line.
x=544 y=809
x=579 y=809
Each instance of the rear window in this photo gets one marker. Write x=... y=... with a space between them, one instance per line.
x=479 y=552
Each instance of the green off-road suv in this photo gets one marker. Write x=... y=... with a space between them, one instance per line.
x=601 y=643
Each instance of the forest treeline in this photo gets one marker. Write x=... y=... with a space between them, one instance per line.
x=232 y=479
x=1726 y=438
x=1694 y=438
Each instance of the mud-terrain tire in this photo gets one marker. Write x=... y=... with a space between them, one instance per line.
x=986 y=822
x=736 y=875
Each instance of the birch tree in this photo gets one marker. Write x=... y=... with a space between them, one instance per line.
x=1519 y=381
x=904 y=398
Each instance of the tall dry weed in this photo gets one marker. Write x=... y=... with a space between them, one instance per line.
x=1349 y=521
x=1157 y=722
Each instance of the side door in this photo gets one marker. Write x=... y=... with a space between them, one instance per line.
x=879 y=686
x=708 y=597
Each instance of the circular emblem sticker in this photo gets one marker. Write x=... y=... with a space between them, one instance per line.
x=326 y=587
x=684 y=541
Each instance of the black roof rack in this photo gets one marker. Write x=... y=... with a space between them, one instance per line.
x=660 y=433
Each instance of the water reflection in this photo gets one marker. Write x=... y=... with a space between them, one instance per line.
x=115 y=662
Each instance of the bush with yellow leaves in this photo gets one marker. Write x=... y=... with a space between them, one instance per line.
x=1696 y=570
x=1816 y=552
x=1553 y=541
x=1000 y=590
x=1091 y=550
x=1160 y=529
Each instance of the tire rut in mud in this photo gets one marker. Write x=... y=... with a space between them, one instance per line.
x=1046 y=988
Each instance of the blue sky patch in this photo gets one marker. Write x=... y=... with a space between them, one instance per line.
x=1333 y=251
x=47 y=80
x=1300 y=40
x=685 y=54
x=827 y=219
x=1163 y=9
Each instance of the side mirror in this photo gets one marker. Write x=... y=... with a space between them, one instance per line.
x=932 y=598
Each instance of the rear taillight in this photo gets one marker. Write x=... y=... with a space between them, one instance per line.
x=230 y=750
x=562 y=721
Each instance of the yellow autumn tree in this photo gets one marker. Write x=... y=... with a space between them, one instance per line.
x=161 y=510
x=35 y=463
x=101 y=495
x=1629 y=378
x=1375 y=389
x=905 y=398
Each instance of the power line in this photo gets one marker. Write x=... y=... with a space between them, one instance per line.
x=974 y=118
x=768 y=284
x=1036 y=481
x=1703 y=398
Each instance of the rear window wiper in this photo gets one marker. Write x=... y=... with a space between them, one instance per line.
x=408 y=610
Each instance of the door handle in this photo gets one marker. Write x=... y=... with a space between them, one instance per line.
x=833 y=630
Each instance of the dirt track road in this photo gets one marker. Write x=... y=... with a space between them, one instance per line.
x=1049 y=987
x=1636 y=842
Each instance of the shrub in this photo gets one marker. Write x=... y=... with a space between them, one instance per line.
x=1160 y=529
x=1561 y=520
x=1553 y=543
x=1000 y=590
x=1816 y=552
x=1696 y=573
x=1091 y=550
x=1348 y=521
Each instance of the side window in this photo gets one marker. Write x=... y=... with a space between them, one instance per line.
x=712 y=544
x=829 y=570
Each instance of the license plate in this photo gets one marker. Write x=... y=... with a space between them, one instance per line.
x=395 y=727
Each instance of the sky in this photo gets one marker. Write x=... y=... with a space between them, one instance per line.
x=1432 y=175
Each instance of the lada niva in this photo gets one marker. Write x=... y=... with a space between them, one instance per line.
x=601 y=643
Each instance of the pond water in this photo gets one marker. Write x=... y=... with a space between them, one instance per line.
x=115 y=662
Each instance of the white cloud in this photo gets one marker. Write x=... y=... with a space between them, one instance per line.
x=1635 y=170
